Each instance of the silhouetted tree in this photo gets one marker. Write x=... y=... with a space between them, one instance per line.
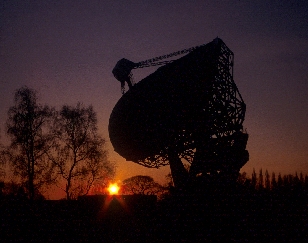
x=279 y=181
x=306 y=184
x=291 y=187
x=253 y=179
x=260 y=180
x=142 y=185
x=78 y=150
x=169 y=180
x=286 y=181
x=27 y=125
x=295 y=187
x=14 y=190
x=301 y=178
x=242 y=178
x=1 y=189
x=267 y=181
x=2 y=161
x=273 y=181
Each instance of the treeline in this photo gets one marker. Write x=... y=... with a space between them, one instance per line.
x=264 y=181
x=52 y=148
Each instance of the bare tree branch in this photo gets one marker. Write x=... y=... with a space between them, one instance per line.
x=78 y=151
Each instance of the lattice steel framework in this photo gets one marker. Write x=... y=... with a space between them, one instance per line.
x=191 y=108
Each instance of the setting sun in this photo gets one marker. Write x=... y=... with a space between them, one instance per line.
x=113 y=189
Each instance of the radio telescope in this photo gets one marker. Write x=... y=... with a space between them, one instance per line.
x=188 y=111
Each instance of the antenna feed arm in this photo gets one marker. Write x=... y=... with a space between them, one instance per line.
x=122 y=70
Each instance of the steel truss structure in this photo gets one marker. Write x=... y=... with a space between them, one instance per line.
x=189 y=109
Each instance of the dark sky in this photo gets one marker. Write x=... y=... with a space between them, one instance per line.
x=66 y=50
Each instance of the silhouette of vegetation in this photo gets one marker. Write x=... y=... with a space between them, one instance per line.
x=2 y=161
x=142 y=185
x=27 y=126
x=49 y=147
x=269 y=183
x=16 y=191
x=78 y=150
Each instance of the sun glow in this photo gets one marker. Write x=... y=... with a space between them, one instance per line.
x=113 y=189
